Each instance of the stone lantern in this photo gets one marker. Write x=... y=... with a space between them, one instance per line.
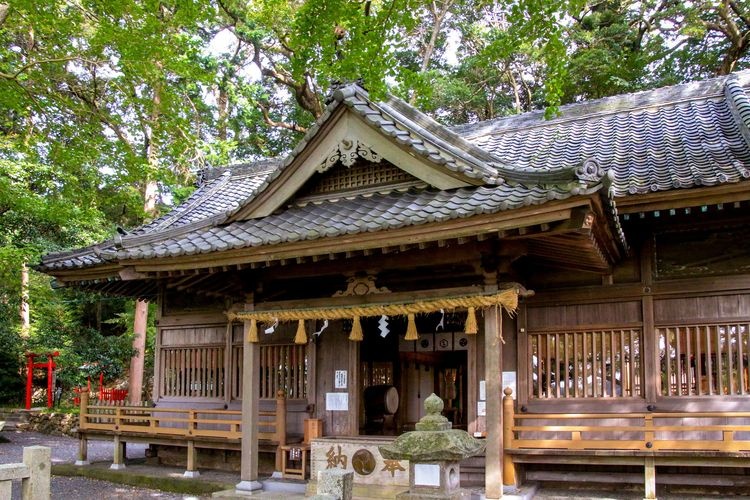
x=434 y=451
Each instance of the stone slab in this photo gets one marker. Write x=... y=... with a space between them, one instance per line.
x=361 y=456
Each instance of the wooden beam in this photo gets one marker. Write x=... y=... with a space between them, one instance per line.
x=683 y=198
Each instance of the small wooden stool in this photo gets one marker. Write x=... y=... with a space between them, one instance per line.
x=294 y=453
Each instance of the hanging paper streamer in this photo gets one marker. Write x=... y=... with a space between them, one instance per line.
x=470 y=328
x=301 y=336
x=442 y=321
x=272 y=328
x=356 y=333
x=411 y=328
x=252 y=333
x=325 y=325
x=383 y=325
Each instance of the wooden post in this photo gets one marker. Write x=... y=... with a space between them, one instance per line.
x=509 y=470
x=250 y=401
x=83 y=450
x=117 y=459
x=280 y=426
x=650 y=478
x=83 y=410
x=39 y=461
x=192 y=469
x=493 y=371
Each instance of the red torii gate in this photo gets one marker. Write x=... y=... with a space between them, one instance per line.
x=50 y=366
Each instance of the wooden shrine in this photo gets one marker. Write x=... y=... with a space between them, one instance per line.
x=594 y=265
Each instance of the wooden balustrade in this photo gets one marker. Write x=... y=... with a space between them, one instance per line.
x=182 y=427
x=651 y=437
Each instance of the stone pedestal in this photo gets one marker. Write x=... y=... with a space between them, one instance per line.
x=436 y=480
x=433 y=451
x=336 y=483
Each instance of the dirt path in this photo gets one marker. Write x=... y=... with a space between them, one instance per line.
x=64 y=450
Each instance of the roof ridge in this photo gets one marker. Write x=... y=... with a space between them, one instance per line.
x=585 y=110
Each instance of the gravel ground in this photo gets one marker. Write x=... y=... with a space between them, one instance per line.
x=64 y=450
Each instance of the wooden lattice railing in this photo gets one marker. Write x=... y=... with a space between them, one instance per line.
x=180 y=423
x=708 y=359
x=723 y=432
x=585 y=363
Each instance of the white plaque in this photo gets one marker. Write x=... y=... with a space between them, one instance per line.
x=340 y=379
x=426 y=475
x=481 y=408
x=337 y=401
x=482 y=391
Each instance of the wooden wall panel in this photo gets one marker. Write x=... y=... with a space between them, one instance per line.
x=333 y=352
x=197 y=335
x=584 y=315
x=692 y=309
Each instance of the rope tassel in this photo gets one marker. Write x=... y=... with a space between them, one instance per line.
x=252 y=332
x=301 y=336
x=411 y=328
x=470 y=328
x=356 y=333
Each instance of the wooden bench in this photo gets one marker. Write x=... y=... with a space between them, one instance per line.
x=191 y=428
x=648 y=440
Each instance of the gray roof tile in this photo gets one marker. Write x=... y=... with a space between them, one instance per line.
x=677 y=137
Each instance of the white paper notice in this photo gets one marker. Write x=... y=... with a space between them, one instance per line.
x=481 y=408
x=426 y=475
x=340 y=379
x=337 y=401
x=482 y=391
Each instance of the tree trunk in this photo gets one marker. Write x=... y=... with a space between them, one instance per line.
x=24 y=308
x=140 y=322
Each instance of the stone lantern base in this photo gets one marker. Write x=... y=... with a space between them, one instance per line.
x=436 y=480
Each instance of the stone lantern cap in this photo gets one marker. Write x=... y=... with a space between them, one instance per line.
x=434 y=440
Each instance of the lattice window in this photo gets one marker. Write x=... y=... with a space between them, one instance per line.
x=704 y=360
x=586 y=364
x=360 y=175
x=195 y=372
x=283 y=367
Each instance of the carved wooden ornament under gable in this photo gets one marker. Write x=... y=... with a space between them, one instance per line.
x=361 y=285
x=347 y=151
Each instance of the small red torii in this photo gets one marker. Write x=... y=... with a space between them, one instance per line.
x=50 y=366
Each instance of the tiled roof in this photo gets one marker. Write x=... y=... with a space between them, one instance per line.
x=346 y=216
x=677 y=137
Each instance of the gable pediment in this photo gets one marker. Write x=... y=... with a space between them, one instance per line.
x=354 y=129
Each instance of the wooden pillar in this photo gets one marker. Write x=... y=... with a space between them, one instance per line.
x=353 y=383
x=118 y=461
x=509 y=470
x=650 y=479
x=83 y=450
x=192 y=468
x=280 y=428
x=250 y=419
x=493 y=372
